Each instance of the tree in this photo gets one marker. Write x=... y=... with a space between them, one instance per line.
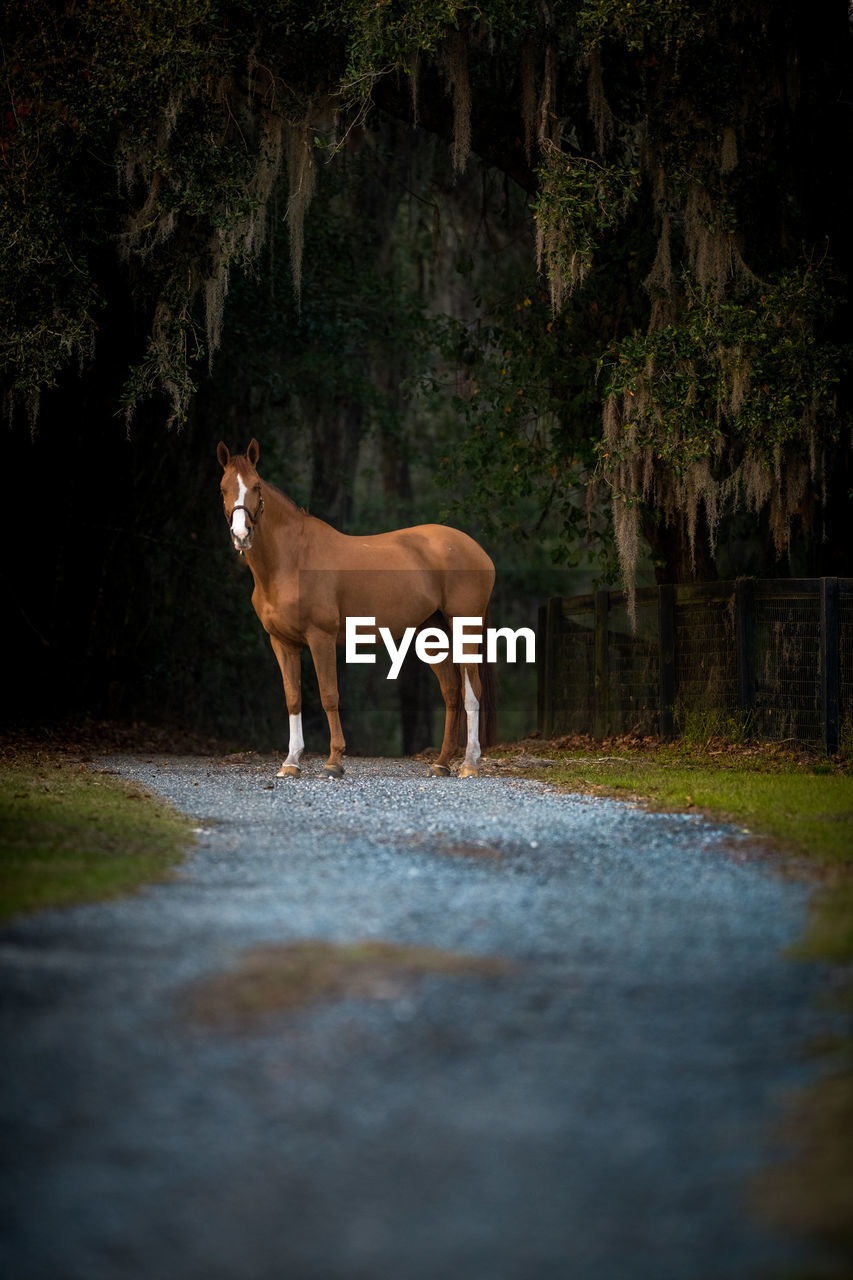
x=688 y=173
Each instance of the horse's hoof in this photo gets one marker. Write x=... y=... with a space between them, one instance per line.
x=469 y=771
x=289 y=771
x=439 y=771
x=333 y=771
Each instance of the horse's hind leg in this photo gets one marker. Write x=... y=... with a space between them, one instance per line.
x=472 y=693
x=324 y=652
x=448 y=679
x=291 y=675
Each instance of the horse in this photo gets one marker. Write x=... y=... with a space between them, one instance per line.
x=309 y=578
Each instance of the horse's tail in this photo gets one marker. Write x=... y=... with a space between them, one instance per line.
x=488 y=700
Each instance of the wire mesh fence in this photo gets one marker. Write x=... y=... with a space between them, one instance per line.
x=845 y=627
x=787 y=670
x=632 y=666
x=765 y=658
x=706 y=656
x=576 y=665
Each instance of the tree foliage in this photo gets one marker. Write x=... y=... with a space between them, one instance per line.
x=689 y=186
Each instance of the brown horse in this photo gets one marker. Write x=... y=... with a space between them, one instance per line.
x=309 y=579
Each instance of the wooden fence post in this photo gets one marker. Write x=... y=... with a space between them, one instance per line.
x=744 y=616
x=601 y=712
x=830 y=663
x=553 y=618
x=667 y=595
x=541 y=667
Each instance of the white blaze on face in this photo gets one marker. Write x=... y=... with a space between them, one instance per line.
x=239 y=522
x=472 y=708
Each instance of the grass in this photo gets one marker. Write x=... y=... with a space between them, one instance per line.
x=71 y=835
x=803 y=804
x=802 y=807
x=811 y=1192
x=277 y=979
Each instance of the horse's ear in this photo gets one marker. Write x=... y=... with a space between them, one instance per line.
x=253 y=452
x=222 y=454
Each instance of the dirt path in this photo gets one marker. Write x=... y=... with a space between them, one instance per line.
x=589 y=1102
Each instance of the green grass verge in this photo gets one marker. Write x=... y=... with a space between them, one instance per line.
x=70 y=835
x=802 y=807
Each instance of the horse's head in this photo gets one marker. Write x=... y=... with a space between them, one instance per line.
x=241 y=492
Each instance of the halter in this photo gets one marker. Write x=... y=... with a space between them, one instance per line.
x=253 y=519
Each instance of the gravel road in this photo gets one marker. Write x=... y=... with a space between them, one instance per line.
x=593 y=1110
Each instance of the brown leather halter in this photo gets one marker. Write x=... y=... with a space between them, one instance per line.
x=253 y=519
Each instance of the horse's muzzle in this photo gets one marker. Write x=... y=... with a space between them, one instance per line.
x=241 y=528
x=242 y=525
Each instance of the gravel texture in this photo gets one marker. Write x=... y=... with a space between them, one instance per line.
x=595 y=1112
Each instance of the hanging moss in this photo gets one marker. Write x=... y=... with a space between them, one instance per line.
x=728 y=403
x=579 y=201
x=147 y=141
x=454 y=59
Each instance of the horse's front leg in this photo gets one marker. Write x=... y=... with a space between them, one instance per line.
x=324 y=652
x=291 y=675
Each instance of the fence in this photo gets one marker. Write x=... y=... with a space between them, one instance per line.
x=771 y=657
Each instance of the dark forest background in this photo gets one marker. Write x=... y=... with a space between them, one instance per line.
x=574 y=277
